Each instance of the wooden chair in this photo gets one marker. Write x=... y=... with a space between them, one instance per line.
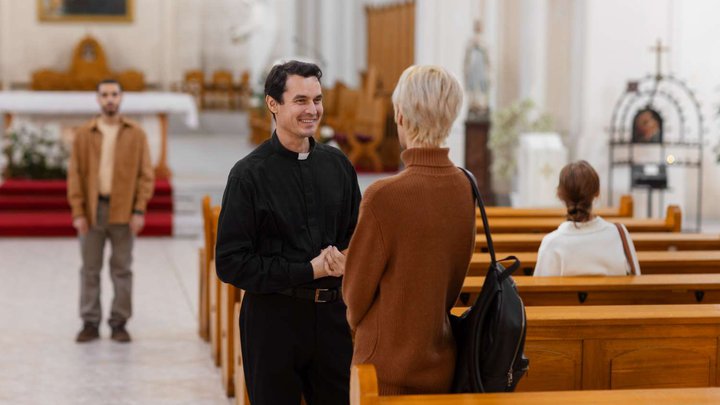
x=344 y=119
x=244 y=92
x=364 y=391
x=260 y=122
x=88 y=67
x=367 y=132
x=49 y=80
x=194 y=84
x=221 y=92
x=131 y=80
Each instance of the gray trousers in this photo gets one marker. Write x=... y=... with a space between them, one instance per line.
x=92 y=246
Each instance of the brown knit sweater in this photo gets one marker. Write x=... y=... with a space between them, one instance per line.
x=406 y=264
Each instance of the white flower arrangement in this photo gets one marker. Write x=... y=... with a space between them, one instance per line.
x=507 y=125
x=35 y=152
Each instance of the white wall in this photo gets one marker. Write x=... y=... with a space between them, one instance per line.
x=165 y=38
x=617 y=37
x=27 y=44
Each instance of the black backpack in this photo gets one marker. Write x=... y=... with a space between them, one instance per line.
x=490 y=335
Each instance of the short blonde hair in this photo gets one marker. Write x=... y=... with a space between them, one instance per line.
x=429 y=98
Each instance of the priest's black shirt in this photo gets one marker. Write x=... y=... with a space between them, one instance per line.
x=278 y=212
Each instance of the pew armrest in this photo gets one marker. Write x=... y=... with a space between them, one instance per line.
x=363 y=385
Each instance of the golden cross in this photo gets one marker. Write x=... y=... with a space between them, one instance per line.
x=547 y=170
x=659 y=49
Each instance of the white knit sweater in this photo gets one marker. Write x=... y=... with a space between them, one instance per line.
x=592 y=248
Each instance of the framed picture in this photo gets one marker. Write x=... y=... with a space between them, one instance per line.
x=647 y=126
x=85 y=10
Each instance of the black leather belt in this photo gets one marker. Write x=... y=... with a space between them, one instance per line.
x=320 y=295
x=105 y=198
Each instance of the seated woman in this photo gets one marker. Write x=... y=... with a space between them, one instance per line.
x=412 y=246
x=584 y=245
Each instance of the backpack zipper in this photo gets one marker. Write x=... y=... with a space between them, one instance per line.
x=517 y=349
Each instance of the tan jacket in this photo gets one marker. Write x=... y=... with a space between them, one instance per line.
x=133 y=176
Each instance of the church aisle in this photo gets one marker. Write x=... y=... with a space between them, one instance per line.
x=167 y=363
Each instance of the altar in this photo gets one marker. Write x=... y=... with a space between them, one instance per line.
x=70 y=109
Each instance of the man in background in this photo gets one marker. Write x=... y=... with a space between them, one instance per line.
x=110 y=180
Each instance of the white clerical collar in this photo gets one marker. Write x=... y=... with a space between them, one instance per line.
x=303 y=156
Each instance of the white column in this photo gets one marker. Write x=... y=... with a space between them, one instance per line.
x=5 y=38
x=441 y=35
x=533 y=51
x=169 y=54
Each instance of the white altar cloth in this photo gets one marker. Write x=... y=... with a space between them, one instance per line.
x=85 y=103
x=67 y=109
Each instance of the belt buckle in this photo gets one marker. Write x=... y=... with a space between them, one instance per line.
x=317 y=294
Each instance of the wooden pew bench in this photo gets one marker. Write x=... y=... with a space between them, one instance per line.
x=651 y=262
x=364 y=391
x=628 y=347
x=530 y=242
x=671 y=223
x=624 y=209
x=653 y=289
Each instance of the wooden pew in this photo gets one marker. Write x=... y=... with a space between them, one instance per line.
x=214 y=288
x=229 y=296
x=639 y=346
x=625 y=209
x=241 y=395
x=364 y=391
x=530 y=242
x=651 y=262
x=652 y=289
x=671 y=223
x=206 y=254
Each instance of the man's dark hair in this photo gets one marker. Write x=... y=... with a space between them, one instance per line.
x=277 y=78
x=109 y=81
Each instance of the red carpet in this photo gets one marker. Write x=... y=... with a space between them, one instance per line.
x=39 y=208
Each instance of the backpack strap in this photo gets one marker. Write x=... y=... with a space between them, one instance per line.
x=486 y=225
x=626 y=249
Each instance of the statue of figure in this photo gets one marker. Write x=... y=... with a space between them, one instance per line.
x=476 y=71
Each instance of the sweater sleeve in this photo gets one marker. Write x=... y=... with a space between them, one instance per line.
x=365 y=265
x=237 y=260
x=548 y=263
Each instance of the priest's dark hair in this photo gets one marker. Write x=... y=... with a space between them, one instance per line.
x=277 y=78
x=108 y=81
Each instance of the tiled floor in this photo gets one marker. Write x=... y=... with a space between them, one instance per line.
x=167 y=363
x=41 y=364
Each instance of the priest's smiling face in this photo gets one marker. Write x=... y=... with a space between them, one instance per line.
x=109 y=96
x=298 y=117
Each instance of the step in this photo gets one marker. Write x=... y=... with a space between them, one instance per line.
x=59 y=187
x=15 y=202
x=23 y=223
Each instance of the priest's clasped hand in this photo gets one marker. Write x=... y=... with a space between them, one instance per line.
x=329 y=263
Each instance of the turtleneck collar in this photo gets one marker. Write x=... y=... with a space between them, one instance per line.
x=283 y=151
x=430 y=157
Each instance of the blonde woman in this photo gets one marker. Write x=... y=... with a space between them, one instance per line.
x=412 y=246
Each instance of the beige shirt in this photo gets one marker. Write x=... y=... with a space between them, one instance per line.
x=107 y=156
